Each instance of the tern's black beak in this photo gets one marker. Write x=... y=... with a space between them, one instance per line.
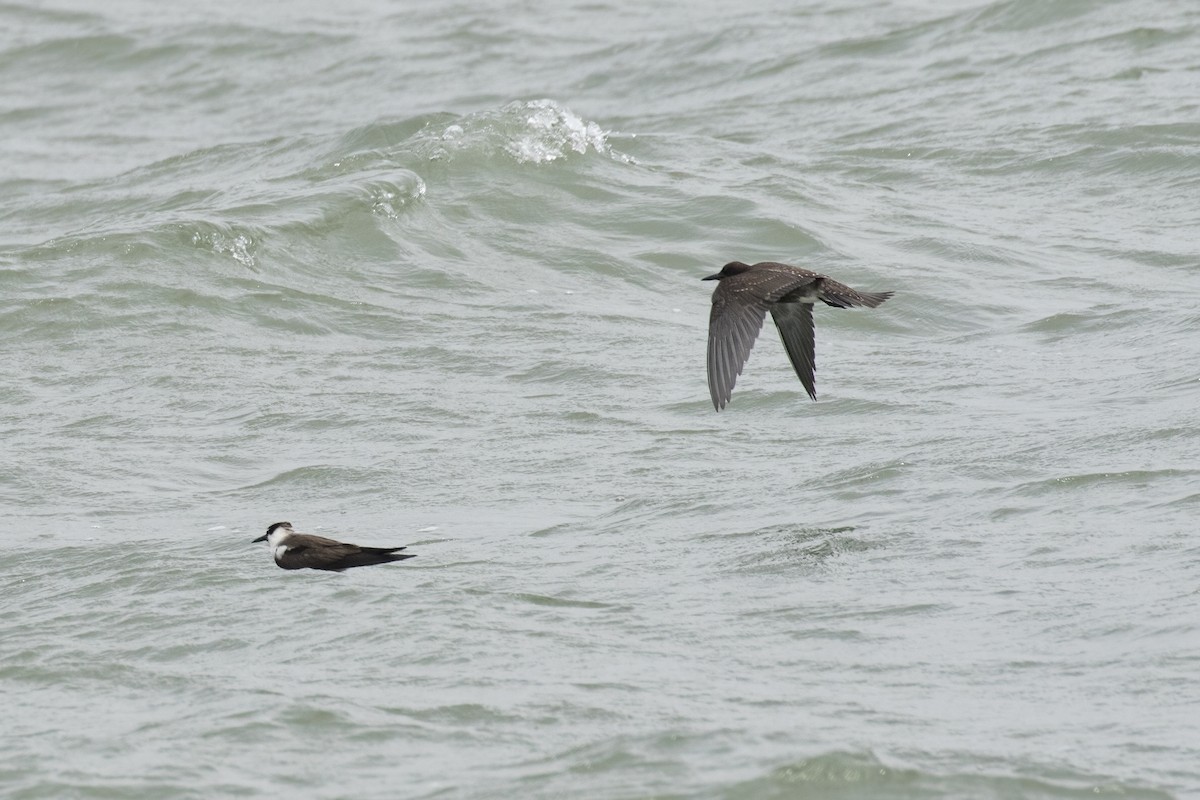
x=262 y=538
x=716 y=277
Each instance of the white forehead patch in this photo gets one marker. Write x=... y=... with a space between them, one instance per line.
x=278 y=535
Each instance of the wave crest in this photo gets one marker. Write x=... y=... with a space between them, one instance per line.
x=531 y=132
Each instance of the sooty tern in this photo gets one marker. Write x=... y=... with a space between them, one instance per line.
x=300 y=550
x=744 y=295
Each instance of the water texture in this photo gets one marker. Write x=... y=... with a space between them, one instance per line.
x=428 y=274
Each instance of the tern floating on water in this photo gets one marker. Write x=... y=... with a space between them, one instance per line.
x=303 y=550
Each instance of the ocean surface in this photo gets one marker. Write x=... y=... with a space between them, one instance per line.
x=427 y=274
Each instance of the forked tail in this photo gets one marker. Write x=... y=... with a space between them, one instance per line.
x=839 y=295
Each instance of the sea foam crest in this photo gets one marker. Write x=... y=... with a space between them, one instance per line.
x=226 y=241
x=532 y=132
x=552 y=130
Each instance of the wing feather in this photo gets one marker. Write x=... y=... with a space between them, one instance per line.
x=312 y=556
x=739 y=306
x=732 y=329
x=795 y=323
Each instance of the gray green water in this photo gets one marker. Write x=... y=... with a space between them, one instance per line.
x=427 y=274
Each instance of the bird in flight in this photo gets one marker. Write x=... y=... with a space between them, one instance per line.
x=744 y=295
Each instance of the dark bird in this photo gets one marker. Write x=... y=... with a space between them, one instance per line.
x=740 y=304
x=299 y=550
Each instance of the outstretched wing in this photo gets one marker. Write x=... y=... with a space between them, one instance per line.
x=733 y=326
x=795 y=323
x=740 y=305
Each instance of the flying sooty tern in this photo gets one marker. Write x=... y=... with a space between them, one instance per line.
x=744 y=295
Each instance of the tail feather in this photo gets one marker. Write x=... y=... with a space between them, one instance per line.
x=841 y=296
x=368 y=556
x=384 y=555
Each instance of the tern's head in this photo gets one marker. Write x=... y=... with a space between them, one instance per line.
x=728 y=271
x=277 y=531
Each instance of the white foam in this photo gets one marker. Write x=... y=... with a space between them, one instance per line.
x=239 y=246
x=552 y=131
x=531 y=131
